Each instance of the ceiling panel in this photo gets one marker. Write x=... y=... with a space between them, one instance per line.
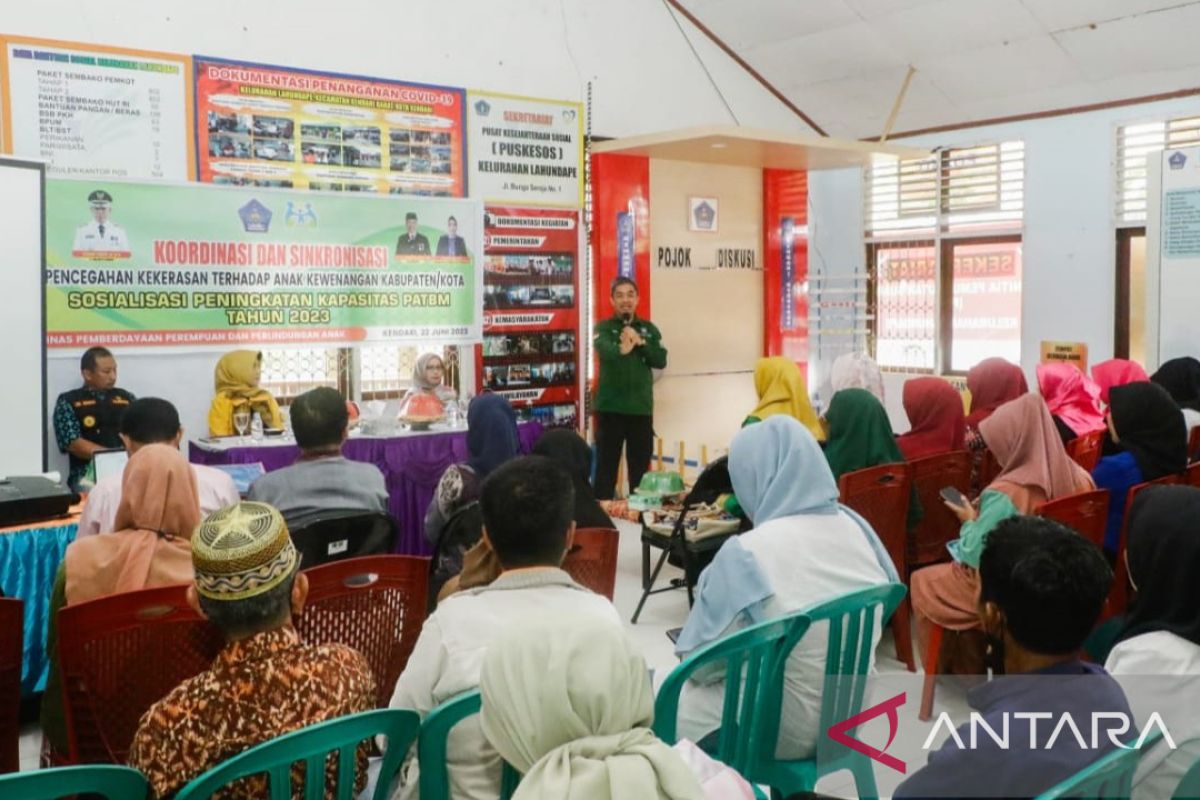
x=749 y=23
x=1002 y=70
x=1062 y=14
x=869 y=9
x=953 y=26
x=842 y=52
x=1162 y=41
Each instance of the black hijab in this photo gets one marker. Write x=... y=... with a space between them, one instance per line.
x=1150 y=426
x=1181 y=378
x=1164 y=557
x=569 y=450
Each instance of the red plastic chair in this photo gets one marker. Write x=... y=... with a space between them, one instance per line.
x=1085 y=512
x=938 y=524
x=12 y=631
x=1118 y=598
x=374 y=604
x=881 y=496
x=1191 y=475
x=989 y=468
x=121 y=654
x=1086 y=449
x=1194 y=444
x=592 y=559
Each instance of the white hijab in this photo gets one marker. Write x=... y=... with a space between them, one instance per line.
x=857 y=371
x=567 y=701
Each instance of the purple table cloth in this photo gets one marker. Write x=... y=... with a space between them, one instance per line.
x=411 y=465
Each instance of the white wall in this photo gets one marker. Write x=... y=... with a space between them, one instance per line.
x=1069 y=254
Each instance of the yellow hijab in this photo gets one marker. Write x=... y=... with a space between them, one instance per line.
x=781 y=390
x=235 y=386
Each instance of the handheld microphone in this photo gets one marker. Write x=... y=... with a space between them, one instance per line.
x=627 y=318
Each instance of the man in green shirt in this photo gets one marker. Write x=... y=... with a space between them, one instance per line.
x=628 y=348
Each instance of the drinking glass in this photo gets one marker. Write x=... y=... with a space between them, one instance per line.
x=241 y=421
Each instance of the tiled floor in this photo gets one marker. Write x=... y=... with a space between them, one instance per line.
x=669 y=610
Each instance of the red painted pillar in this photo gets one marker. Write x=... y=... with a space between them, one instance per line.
x=785 y=264
x=621 y=227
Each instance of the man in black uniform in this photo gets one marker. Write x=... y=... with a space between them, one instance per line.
x=410 y=242
x=88 y=419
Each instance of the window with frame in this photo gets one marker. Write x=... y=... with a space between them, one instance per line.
x=943 y=240
x=367 y=372
x=1134 y=143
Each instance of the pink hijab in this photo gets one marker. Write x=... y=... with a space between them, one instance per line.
x=1072 y=397
x=151 y=542
x=1034 y=466
x=1117 y=372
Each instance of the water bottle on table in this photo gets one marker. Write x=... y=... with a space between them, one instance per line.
x=256 y=428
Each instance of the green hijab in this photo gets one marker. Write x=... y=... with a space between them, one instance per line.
x=860 y=436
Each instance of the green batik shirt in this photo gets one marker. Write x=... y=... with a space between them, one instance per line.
x=625 y=385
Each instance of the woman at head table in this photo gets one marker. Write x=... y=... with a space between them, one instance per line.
x=236 y=381
x=428 y=378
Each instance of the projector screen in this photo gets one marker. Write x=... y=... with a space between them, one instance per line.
x=23 y=311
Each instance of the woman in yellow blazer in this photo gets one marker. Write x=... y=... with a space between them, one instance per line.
x=236 y=378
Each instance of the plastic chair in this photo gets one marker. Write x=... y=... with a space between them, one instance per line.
x=881 y=496
x=755 y=660
x=313 y=746
x=592 y=559
x=375 y=604
x=12 y=630
x=109 y=782
x=1084 y=512
x=434 y=777
x=121 y=654
x=1110 y=776
x=1118 y=598
x=1086 y=449
x=989 y=468
x=1194 y=444
x=1189 y=784
x=339 y=535
x=1191 y=475
x=938 y=524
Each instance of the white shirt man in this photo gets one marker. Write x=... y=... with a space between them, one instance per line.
x=216 y=489
x=97 y=237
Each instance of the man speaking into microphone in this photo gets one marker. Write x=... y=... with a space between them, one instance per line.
x=628 y=348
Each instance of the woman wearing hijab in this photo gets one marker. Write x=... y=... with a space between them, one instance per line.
x=236 y=378
x=1073 y=400
x=860 y=436
x=428 y=377
x=568 y=703
x=1162 y=631
x=1116 y=372
x=491 y=440
x=935 y=412
x=150 y=546
x=1181 y=378
x=991 y=383
x=857 y=371
x=781 y=390
x=1034 y=468
x=804 y=549
x=1147 y=428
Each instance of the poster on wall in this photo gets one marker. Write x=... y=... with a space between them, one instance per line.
x=151 y=265
x=97 y=112
x=531 y=345
x=259 y=125
x=525 y=150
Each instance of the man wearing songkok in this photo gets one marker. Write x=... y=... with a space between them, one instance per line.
x=266 y=682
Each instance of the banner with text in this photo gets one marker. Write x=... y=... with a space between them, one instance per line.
x=173 y=265
x=95 y=111
x=525 y=150
x=260 y=125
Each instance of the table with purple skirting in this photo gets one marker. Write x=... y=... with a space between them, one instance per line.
x=411 y=465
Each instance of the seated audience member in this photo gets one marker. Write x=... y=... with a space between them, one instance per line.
x=1116 y=372
x=991 y=383
x=1159 y=648
x=1147 y=428
x=568 y=703
x=429 y=377
x=266 y=682
x=322 y=479
x=152 y=420
x=527 y=506
x=571 y=452
x=236 y=379
x=1181 y=378
x=1073 y=399
x=492 y=439
x=781 y=390
x=804 y=549
x=1034 y=468
x=1042 y=586
x=88 y=419
x=857 y=371
x=935 y=412
x=150 y=547
x=860 y=436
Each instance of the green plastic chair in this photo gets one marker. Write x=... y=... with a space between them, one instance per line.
x=1189 y=784
x=755 y=660
x=434 y=778
x=313 y=745
x=1108 y=778
x=112 y=783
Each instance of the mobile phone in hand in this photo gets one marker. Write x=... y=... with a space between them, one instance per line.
x=954 y=497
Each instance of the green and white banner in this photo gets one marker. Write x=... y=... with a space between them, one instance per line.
x=146 y=265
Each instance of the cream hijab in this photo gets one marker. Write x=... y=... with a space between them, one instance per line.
x=567 y=701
